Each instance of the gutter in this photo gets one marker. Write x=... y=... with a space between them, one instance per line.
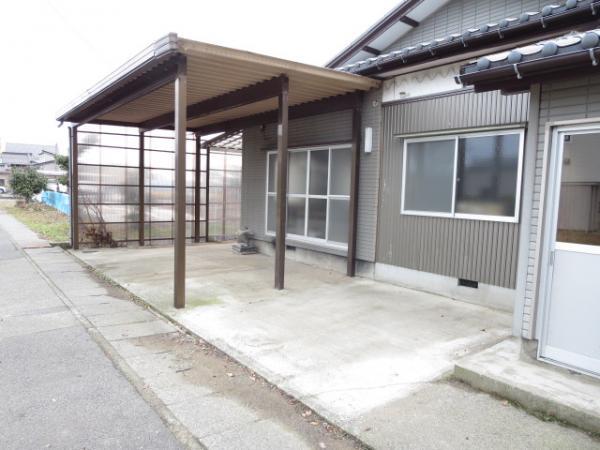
x=525 y=72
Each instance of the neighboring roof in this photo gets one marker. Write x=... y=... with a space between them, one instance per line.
x=549 y=18
x=388 y=29
x=518 y=68
x=32 y=149
x=26 y=154
x=131 y=95
x=19 y=159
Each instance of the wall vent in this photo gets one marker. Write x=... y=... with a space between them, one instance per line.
x=468 y=283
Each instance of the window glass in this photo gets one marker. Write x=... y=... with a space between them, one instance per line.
x=319 y=162
x=271 y=213
x=318 y=199
x=341 y=162
x=272 y=172
x=297 y=173
x=338 y=220
x=487 y=168
x=317 y=216
x=579 y=203
x=296 y=211
x=429 y=176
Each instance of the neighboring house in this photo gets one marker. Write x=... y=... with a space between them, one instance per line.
x=475 y=137
x=451 y=190
x=39 y=157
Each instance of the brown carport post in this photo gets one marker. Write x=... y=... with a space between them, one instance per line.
x=141 y=225
x=74 y=183
x=282 y=170
x=353 y=214
x=198 y=165
x=180 y=207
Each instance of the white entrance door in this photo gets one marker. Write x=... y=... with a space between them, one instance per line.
x=571 y=286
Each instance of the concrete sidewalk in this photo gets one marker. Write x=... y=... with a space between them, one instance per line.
x=370 y=357
x=205 y=398
x=58 y=388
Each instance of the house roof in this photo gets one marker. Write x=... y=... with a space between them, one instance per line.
x=388 y=29
x=518 y=68
x=550 y=18
x=141 y=93
x=32 y=149
x=25 y=154
x=20 y=159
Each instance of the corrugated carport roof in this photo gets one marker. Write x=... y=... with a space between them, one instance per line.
x=223 y=84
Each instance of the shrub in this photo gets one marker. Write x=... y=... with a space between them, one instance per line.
x=27 y=182
x=62 y=161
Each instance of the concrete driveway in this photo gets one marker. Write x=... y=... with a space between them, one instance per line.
x=346 y=347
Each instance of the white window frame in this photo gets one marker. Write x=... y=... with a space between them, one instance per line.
x=456 y=137
x=304 y=238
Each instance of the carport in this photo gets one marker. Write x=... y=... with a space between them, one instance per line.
x=187 y=86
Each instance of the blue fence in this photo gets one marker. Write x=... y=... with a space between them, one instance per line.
x=57 y=200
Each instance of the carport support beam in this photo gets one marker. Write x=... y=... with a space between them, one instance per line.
x=74 y=182
x=282 y=170
x=180 y=206
x=142 y=200
x=354 y=175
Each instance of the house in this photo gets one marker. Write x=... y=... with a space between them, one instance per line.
x=466 y=165
x=19 y=155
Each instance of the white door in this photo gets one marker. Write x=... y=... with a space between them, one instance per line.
x=571 y=280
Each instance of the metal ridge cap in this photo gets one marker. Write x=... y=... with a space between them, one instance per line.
x=166 y=44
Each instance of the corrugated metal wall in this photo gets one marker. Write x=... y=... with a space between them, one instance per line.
x=459 y=15
x=477 y=250
x=368 y=197
x=577 y=98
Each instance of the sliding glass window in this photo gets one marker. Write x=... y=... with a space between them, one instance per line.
x=469 y=176
x=318 y=194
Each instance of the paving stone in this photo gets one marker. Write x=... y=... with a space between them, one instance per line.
x=121 y=318
x=212 y=414
x=262 y=434
x=115 y=332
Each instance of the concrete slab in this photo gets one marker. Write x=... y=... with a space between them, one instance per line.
x=110 y=306
x=132 y=330
x=262 y=434
x=450 y=415
x=345 y=347
x=122 y=318
x=540 y=388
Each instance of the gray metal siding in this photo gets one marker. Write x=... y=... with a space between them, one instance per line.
x=459 y=15
x=477 y=250
x=577 y=98
x=368 y=196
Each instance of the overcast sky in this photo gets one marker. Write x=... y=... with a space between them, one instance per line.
x=52 y=50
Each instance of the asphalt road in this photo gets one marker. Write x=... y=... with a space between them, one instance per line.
x=57 y=387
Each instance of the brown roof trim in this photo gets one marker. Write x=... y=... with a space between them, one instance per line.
x=390 y=19
x=517 y=77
